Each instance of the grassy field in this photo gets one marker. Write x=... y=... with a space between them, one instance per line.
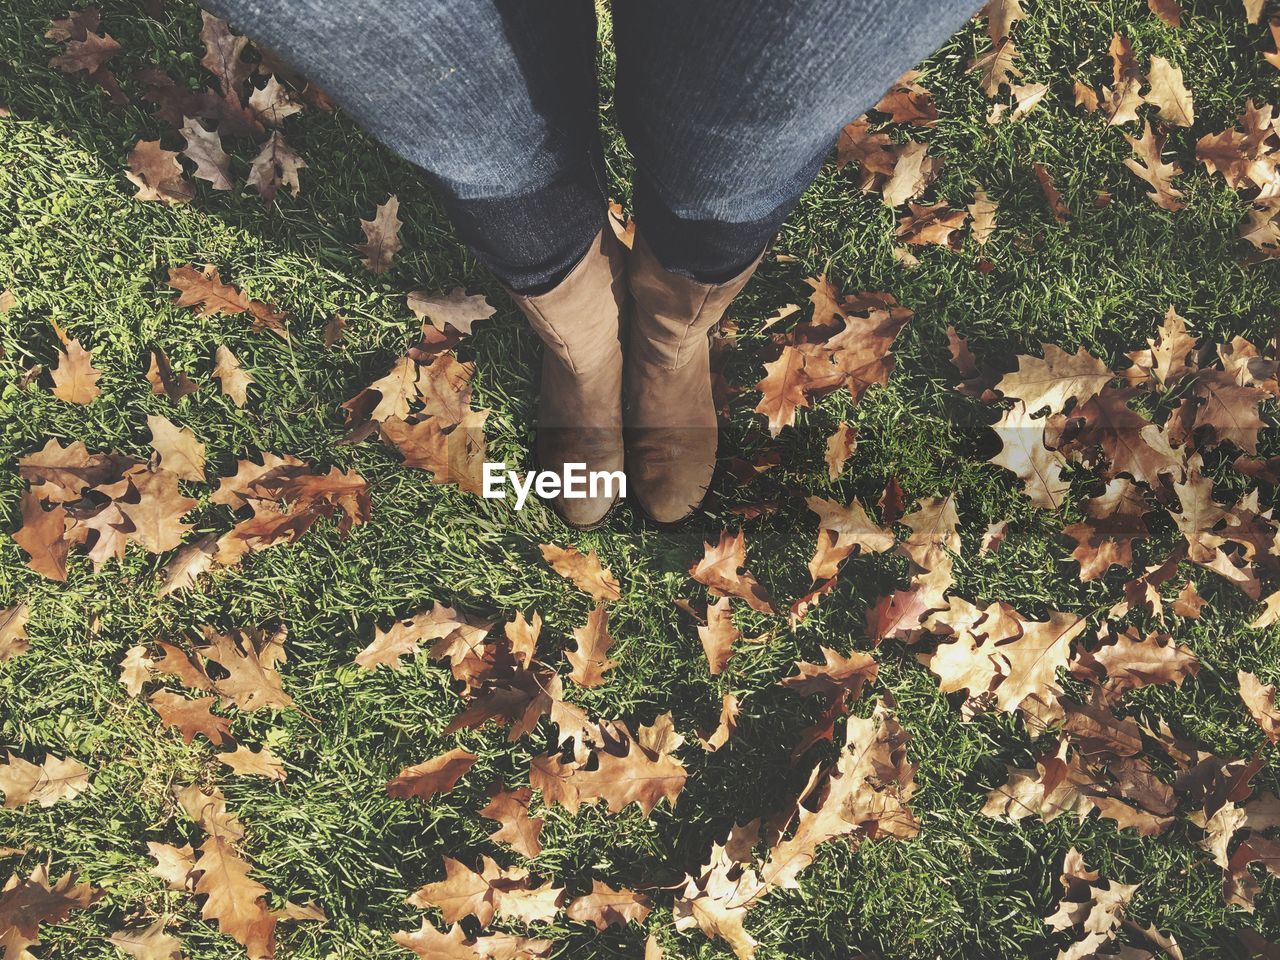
x=77 y=250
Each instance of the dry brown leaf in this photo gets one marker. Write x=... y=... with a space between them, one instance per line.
x=204 y=149
x=190 y=717
x=982 y=213
x=381 y=236
x=43 y=536
x=157 y=174
x=176 y=448
x=722 y=571
x=1170 y=11
x=719 y=635
x=511 y=809
x=438 y=775
x=604 y=907
x=590 y=658
x=1169 y=93
x=165 y=381
x=13 y=631
x=272 y=103
x=135 y=669
x=275 y=166
x=1151 y=167
x=728 y=723
x=583 y=570
x=455 y=309
x=250 y=763
x=234 y=899
x=235 y=381
x=1261 y=701
x=75 y=380
x=149 y=943
x=45 y=784
x=840 y=447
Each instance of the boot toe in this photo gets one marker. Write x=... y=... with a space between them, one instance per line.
x=584 y=514
x=669 y=473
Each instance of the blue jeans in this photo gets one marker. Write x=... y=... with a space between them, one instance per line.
x=729 y=107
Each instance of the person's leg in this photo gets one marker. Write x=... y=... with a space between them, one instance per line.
x=729 y=107
x=496 y=101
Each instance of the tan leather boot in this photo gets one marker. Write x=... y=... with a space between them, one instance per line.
x=580 y=406
x=671 y=429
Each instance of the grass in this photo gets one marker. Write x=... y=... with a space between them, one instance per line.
x=80 y=252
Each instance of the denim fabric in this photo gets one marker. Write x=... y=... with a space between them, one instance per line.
x=729 y=107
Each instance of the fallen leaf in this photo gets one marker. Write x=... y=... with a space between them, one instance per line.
x=583 y=570
x=190 y=717
x=1261 y=701
x=590 y=659
x=13 y=631
x=438 y=775
x=235 y=381
x=456 y=309
x=606 y=907
x=275 y=166
x=177 y=449
x=44 y=784
x=157 y=174
x=840 y=447
x=165 y=381
x=719 y=635
x=43 y=536
x=234 y=899
x=382 y=236
x=511 y=809
x=722 y=570
x=982 y=214
x=148 y=943
x=251 y=763
x=1169 y=94
x=204 y=149
x=75 y=380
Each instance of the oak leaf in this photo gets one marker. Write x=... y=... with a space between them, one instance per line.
x=438 y=775
x=1261 y=701
x=455 y=309
x=272 y=103
x=13 y=631
x=583 y=570
x=26 y=903
x=45 y=784
x=381 y=236
x=157 y=511
x=1058 y=378
x=234 y=899
x=722 y=571
x=718 y=635
x=604 y=907
x=177 y=449
x=231 y=374
x=251 y=763
x=249 y=658
x=511 y=809
x=204 y=149
x=590 y=658
x=157 y=174
x=840 y=447
x=982 y=214
x=275 y=166
x=190 y=717
x=148 y=943
x=725 y=727
x=1169 y=93
x=165 y=381
x=75 y=380
x=43 y=537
